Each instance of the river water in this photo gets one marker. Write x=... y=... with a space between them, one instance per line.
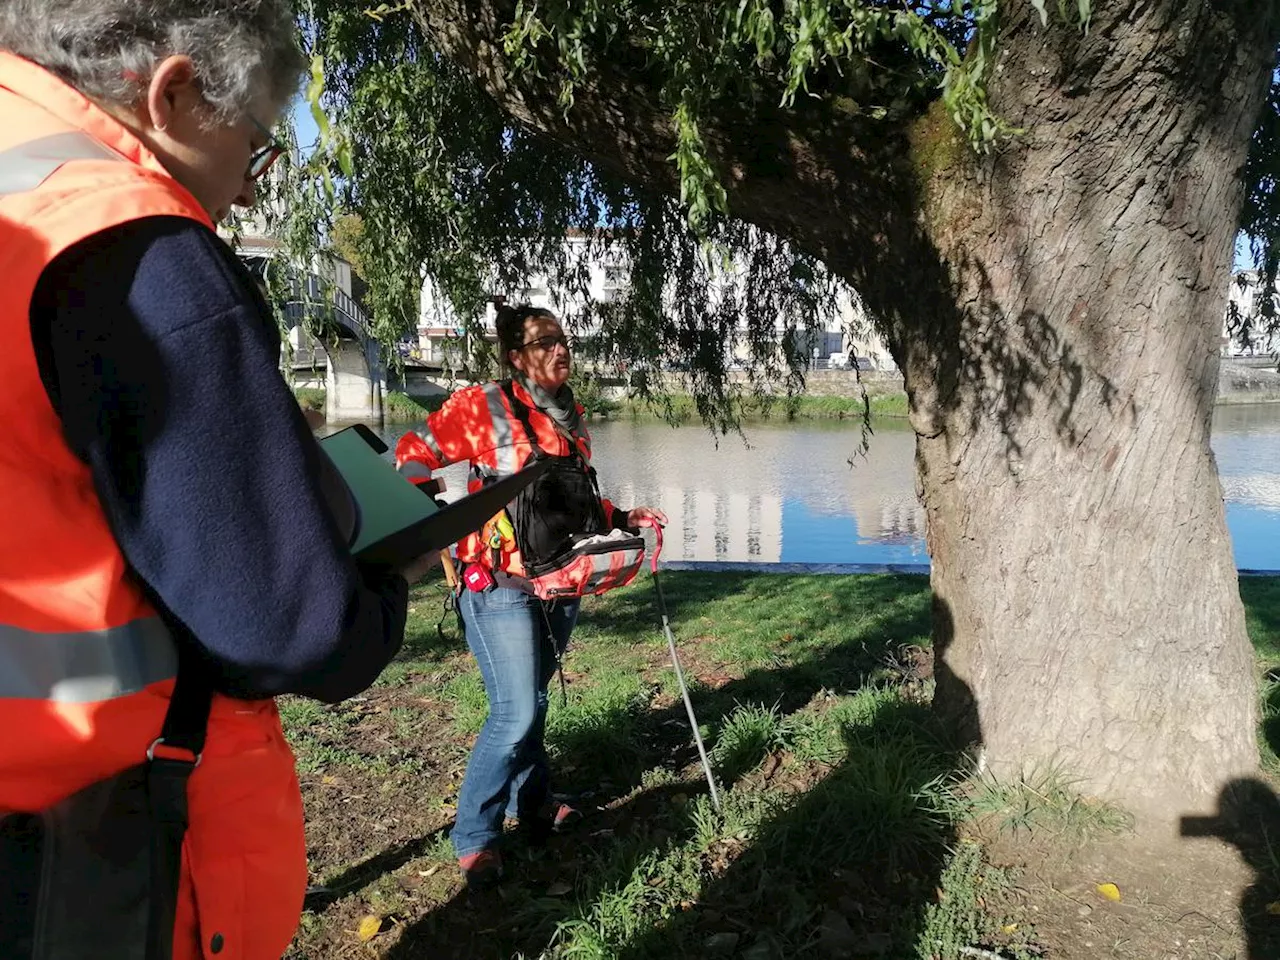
x=788 y=493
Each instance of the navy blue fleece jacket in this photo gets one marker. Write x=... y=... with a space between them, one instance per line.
x=162 y=361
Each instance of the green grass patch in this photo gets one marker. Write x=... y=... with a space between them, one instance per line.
x=404 y=406
x=845 y=807
x=310 y=398
x=1045 y=800
x=1261 y=596
x=680 y=408
x=961 y=918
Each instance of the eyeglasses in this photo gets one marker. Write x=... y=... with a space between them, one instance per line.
x=547 y=343
x=262 y=159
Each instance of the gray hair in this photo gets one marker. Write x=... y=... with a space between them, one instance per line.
x=243 y=50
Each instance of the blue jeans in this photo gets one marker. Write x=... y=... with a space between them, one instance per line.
x=508 y=774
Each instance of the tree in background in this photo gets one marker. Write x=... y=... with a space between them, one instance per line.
x=1037 y=204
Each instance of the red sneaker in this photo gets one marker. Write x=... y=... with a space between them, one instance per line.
x=482 y=869
x=554 y=818
x=565 y=817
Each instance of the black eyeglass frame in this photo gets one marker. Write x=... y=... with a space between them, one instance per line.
x=542 y=342
x=262 y=159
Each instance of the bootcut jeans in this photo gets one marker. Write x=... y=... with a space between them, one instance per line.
x=516 y=639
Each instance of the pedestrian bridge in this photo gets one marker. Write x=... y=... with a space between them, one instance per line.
x=354 y=370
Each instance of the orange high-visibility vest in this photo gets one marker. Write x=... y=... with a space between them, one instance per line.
x=86 y=664
x=477 y=424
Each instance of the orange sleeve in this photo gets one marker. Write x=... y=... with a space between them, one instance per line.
x=462 y=429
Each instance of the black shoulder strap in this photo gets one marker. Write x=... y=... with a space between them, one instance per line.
x=521 y=410
x=185 y=727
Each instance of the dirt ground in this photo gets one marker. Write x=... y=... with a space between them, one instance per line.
x=1191 y=899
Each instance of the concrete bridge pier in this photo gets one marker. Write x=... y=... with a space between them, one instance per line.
x=353 y=380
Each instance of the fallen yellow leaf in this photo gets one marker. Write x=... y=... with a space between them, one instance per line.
x=369 y=928
x=1273 y=908
x=1009 y=928
x=1110 y=891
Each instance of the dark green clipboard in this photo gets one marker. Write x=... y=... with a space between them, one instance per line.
x=392 y=521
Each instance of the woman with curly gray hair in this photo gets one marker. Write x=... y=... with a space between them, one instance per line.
x=169 y=559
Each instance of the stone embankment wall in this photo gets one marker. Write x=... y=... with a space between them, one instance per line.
x=819 y=383
x=1251 y=380
x=1246 y=380
x=1243 y=380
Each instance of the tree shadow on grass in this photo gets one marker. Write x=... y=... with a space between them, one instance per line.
x=843 y=871
x=620 y=746
x=368 y=871
x=848 y=865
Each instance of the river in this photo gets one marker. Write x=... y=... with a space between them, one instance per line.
x=800 y=493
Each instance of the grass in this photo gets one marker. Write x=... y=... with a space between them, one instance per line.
x=310 y=398
x=845 y=824
x=396 y=406
x=1044 y=800
x=404 y=406
x=680 y=408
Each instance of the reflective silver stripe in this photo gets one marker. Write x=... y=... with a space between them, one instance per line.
x=85 y=667
x=504 y=454
x=30 y=164
x=412 y=469
x=601 y=565
x=429 y=439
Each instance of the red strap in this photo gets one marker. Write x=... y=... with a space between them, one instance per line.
x=657 y=547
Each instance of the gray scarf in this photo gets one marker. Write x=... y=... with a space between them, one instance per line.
x=559 y=406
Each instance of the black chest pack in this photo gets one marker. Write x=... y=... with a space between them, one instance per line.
x=566 y=544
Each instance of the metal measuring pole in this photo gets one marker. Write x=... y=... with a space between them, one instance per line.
x=675 y=662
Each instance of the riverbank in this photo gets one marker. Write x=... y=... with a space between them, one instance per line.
x=849 y=825
x=404 y=407
x=1239 y=385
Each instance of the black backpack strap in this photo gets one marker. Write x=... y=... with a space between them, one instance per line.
x=168 y=770
x=521 y=410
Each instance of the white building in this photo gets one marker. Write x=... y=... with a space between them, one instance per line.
x=1243 y=302
x=442 y=338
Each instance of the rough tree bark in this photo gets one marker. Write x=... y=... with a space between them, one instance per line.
x=1056 y=310
x=1086 y=603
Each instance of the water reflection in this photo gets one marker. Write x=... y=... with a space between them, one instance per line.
x=789 y=493
x=1246 y=443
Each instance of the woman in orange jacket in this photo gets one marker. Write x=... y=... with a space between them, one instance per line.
x=516 y=638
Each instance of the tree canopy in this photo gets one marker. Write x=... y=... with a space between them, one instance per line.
x=447 y=185
x=453 y=186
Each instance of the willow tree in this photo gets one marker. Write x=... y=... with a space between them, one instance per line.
x=1036 y=203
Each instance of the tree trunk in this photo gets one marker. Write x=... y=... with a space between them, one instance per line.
x=1087 y=614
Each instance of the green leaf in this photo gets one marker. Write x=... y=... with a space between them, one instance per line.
x=345 y=163
x=315 y=90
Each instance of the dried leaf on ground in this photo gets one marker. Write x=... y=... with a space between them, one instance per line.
x=369 y=928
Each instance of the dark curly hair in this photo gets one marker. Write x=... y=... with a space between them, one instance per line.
x=510 y=327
